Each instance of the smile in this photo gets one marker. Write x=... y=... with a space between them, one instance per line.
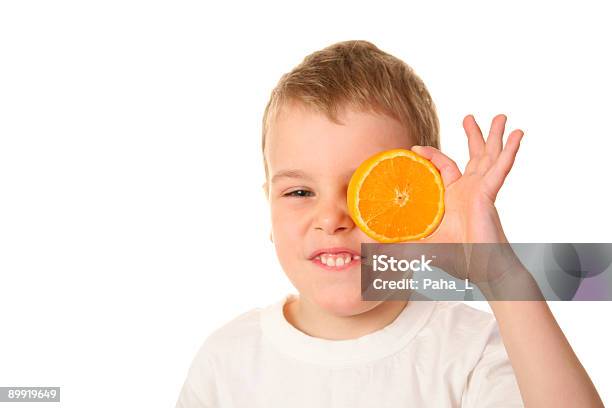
x=338 y=261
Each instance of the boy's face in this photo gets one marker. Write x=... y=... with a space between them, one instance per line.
x=326 y=154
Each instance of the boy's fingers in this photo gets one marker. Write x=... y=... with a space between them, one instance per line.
x=504 y=163
x=476 y=142
x=496 y=134
x=448 y=168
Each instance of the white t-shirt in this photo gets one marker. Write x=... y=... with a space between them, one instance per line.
x=434 y=354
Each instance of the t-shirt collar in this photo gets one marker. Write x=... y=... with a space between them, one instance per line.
x=376 y=345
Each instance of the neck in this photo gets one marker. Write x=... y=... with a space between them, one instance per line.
x=316 y=322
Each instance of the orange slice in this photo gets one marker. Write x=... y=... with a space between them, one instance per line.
x=395 y=196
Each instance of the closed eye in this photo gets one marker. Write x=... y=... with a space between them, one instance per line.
x=294 y=193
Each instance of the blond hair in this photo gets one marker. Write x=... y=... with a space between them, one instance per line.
x=359 y=75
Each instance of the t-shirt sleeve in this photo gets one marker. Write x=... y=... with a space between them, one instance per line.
x=492 y=382
x=199 y=389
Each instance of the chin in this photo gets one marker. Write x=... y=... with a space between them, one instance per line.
x=342 y=301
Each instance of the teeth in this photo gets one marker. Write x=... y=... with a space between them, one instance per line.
x=337 y=260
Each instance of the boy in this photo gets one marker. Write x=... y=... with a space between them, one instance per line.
x=328 y=348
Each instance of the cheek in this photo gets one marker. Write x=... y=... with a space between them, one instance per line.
x=364 y=238
x=289 y=229
x=288 y=219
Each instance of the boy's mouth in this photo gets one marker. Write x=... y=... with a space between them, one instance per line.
x=335 y=258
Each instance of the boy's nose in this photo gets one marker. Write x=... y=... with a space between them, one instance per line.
x=333 y=218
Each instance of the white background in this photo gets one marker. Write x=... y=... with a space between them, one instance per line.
x=132 y=221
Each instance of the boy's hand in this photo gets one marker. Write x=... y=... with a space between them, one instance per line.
x=470 y=215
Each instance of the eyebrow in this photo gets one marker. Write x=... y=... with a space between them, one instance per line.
x=294 y=173
x=290 y=174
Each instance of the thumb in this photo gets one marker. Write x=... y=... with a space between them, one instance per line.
x=446 y=166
